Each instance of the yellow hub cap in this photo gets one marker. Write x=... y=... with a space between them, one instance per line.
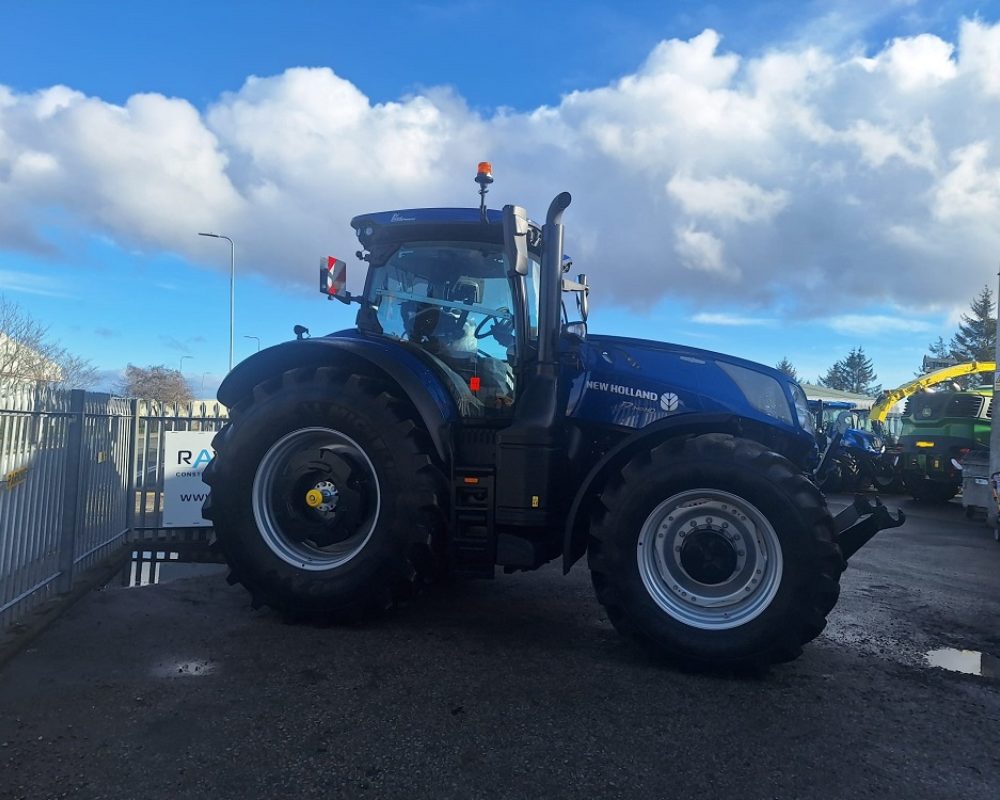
x=314 y=498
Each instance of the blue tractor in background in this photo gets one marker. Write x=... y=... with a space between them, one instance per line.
x=466 y=423
x=852 y=456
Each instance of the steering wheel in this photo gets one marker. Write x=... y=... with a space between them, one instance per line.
x=502 y=330
x=479 y=332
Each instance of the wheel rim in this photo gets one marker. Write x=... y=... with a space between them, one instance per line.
x=709 y=559
x=316 y=498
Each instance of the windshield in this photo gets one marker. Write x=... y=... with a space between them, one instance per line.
x=845 y=418
x=455 y=300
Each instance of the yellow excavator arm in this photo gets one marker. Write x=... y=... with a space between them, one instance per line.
x=880 y=410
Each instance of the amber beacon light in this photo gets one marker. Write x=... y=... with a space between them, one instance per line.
x=484 y=177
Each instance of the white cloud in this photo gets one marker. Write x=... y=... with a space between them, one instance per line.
x=875 y=324
x=804 y=174
x=702 y=252
x=726 y=198
x=971 y=189
x=920 y=62
x=731 y=320
x=979 y=54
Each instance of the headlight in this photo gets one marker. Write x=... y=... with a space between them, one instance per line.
x=762 y=392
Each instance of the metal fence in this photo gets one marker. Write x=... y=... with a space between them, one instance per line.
x=81 y=477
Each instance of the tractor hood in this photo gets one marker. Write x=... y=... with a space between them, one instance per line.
x=864 y=441
x=635 y=382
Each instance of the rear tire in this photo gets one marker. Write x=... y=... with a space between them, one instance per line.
x=747 y=602
x=326 y=498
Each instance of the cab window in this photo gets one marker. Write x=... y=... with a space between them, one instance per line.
x=454 y=300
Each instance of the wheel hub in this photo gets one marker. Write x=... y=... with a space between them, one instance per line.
x=323 y=497
x=316 y=498
x=709 y=558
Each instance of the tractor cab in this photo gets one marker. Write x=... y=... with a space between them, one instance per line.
x=447 y=288
x=462 y=289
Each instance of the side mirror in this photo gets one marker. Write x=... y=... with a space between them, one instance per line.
x=582 y=289
x=515 y=238
x=333 y=279
x=575 y=329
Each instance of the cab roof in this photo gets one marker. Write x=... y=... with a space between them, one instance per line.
x=465 y=224
x=426 y=215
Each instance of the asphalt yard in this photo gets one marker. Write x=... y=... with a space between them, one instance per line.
x=515 y=688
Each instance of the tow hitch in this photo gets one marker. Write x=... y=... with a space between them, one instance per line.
x=861 y=520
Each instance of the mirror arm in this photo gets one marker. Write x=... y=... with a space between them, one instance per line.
x=346 y=298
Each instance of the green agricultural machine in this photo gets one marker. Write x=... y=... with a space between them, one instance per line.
x=939 y=430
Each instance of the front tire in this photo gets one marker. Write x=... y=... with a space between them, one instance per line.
x=325 y=497
x=714 y=552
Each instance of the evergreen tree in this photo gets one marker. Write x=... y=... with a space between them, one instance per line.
x=854 y=373
x=976 y=338
x=788 y=368
x=940 y=348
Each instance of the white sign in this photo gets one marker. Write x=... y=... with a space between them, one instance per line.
x=185 y=454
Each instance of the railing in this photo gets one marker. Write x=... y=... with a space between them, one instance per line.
x=81 y=477
x=152 y=421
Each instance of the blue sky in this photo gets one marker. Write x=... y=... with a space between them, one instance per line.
x=839 y=191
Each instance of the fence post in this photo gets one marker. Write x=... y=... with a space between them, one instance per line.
x=71 y=489
x=133 y=449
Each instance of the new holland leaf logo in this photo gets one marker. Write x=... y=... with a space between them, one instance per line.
x=669 y=401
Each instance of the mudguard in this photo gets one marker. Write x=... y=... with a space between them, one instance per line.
x=417 y=380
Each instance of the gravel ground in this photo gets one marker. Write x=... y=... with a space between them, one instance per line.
x=513 y=688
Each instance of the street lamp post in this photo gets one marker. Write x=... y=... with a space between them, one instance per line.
x=255 y=338
x=991 y=514
x=180 y=367
x=232 y=289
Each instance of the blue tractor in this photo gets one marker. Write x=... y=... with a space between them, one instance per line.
x=465 y=423
x=852 y=457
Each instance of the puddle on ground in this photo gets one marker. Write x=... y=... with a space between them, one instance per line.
x=151 y=567
x=970 y=662
x=184 y=669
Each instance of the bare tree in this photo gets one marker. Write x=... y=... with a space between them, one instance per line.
x=29 y=355
x=155 y=382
